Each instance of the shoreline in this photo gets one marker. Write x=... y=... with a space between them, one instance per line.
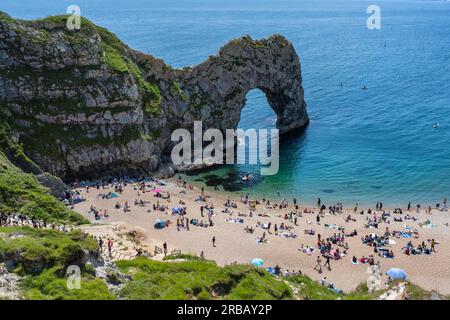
x=308 y=204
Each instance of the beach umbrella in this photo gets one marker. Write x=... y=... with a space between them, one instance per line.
x=396 y=273
x=257 y=262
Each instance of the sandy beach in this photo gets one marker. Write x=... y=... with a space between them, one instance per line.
x=234 y=244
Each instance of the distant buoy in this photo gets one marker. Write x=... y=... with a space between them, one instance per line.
x=436 y=125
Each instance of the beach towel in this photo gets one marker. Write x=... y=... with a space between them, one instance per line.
x=271 y=270
x=405 y=235
x=159 y=224
x=176 y=210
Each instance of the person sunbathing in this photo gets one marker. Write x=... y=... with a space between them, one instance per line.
x=249 y=229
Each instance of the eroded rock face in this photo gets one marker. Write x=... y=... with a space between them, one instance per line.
x=9 y=284
x=83 y=104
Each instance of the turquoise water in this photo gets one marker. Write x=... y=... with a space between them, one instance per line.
x=361 y=145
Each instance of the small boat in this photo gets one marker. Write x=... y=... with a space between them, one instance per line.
x=436 y=125
x=246 y=177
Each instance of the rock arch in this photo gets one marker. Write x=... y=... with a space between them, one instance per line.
x=86 y=105
x=222 y=82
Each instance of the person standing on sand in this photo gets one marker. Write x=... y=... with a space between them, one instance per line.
x=214 y=242
x=433 y=243
x=318 y=203
x=100 y=245
x=318 y=266
x=318 y=219
x=327 y=262
x=165 y=248
x=110 y=245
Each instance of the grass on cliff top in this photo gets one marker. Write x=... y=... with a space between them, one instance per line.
x=199 y=279
x=309 y=289
x=51 y=285
x=21 y=193
x=42 y=257
x=32 y=250
x=117 y=61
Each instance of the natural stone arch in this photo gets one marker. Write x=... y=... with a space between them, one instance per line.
x=221 y=83
x=86 y=105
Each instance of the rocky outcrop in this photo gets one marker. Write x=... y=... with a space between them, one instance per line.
x=9 y=284
x=83 y=104
x=55 y=185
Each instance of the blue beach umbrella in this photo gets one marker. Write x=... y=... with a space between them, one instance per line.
x=396 y=273
x=257 y=262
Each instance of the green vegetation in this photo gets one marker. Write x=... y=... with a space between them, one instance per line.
x=312 y=290
x=199 y=279
x=13 y=151
x=176 y=90
x=414 y=292
x=181 y=257
x=362 y=293
x=115 y=53
x=22 y=193
x=116 y=59
x=51 y=285
x=45 y=138
x=152 y=95
x=41 y=257
x=32 y=250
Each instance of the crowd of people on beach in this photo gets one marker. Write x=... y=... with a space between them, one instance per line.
x=255 y=217
x=263 y=218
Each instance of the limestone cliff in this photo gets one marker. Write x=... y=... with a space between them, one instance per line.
x=83 y=104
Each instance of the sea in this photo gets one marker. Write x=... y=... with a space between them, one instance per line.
x=361 y=146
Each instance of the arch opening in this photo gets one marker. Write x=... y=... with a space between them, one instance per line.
x=256 y=113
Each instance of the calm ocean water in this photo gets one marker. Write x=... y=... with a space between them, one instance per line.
x=362 y=145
